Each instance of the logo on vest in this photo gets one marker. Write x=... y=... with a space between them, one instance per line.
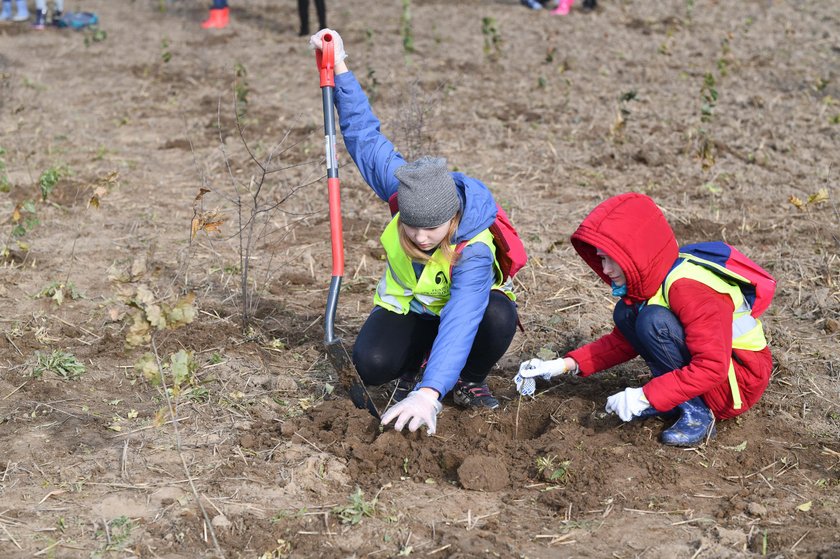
x=440 y=278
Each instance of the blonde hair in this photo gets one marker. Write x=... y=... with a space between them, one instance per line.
x=446 y=250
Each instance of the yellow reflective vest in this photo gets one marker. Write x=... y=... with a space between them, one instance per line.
x=747 y=331
x=399 y=284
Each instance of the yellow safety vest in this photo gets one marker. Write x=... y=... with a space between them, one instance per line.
x=747 y=331
x=399 y=284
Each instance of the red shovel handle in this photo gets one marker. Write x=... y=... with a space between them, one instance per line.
x=325 y=59
x=336 y=229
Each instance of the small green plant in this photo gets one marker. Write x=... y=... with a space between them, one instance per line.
x=63 y=364
x=49 y=179
x=357 y=509
x=689 y=9
x=240 y=89
x=181 y=379
x=372 y=84
x=117 y=534
x=24 y=219
x=492 y=38
x=709 y=95
x=5 y=186
x=165 y=53
x=622 y=115
x=406 y=28
x=58 y=292
x=552 y=470
x=94 y=34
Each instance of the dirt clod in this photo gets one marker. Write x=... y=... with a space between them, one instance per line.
x=483 y=473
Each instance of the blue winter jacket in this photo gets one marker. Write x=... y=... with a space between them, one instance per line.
x=472 y=278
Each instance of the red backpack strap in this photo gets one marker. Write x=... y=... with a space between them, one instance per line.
x=393 y=204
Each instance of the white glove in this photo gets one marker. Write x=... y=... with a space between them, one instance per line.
x=533 y=368
x=628 y=403
x=316 y=43
x=421 y=407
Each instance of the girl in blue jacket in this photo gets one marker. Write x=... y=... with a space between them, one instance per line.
x=435 y=305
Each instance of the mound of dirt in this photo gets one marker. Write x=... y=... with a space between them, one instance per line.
x=483 y=473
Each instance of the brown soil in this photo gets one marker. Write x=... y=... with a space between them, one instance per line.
x=566 y=112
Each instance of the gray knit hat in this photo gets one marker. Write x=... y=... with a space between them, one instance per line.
x=426 y=195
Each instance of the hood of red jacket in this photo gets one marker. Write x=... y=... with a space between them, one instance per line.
x=632 y=230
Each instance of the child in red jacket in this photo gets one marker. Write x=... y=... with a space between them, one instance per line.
x=682 y=327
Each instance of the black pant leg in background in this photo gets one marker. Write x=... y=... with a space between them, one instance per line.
x=303 y=13
x=321 y=8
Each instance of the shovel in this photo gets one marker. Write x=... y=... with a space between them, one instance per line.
x=336 y=352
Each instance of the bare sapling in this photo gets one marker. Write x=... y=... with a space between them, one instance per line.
x=257 y=203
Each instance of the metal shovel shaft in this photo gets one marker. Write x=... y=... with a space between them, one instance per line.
x=336 y=352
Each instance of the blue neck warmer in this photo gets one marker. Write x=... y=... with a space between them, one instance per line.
x=619 y=290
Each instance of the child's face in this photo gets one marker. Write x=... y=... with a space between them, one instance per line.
x=427 y=238
x=611 y=269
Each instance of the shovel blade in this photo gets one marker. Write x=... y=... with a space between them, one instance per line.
x=349 y=377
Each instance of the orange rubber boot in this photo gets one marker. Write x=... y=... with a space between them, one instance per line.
x=218 y=19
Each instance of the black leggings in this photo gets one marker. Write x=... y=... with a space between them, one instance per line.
x=303 y=12
x=391 y=344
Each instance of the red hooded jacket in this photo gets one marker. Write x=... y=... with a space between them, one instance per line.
x=632 y=230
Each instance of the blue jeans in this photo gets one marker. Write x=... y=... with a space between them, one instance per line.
x=655 y=334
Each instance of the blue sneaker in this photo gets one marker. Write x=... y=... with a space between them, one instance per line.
x=696 y=422
x=6 y=12
x=532 y=4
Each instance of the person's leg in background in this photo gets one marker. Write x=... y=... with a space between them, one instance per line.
x=321 y=8
x=303 y=15
x=22 y=11
x=219 y=16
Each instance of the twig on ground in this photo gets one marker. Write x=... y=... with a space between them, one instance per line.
x=15 y=390
x=14 y=541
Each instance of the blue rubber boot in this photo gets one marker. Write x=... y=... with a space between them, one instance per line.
x=696 y=422
x=6 y=12
x=22 y=11
x=532 y=4
x=653 y=412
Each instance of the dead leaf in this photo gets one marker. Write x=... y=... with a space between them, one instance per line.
x=805 y=507
x=819 y=197
x=209 y=222
x=200 y=195
x=796 y=202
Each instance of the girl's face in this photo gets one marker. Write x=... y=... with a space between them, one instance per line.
x=611 y=269
x=427 y=238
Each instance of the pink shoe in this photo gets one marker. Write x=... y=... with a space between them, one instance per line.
x=563 y=8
